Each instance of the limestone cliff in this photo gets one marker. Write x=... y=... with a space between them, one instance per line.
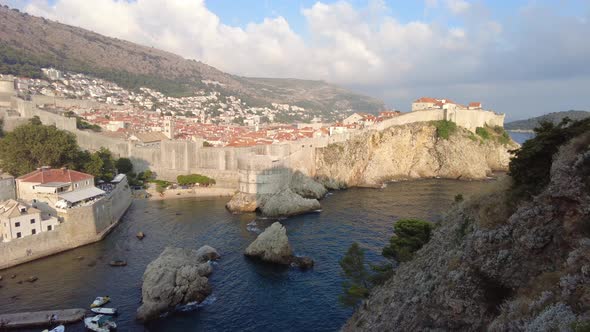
x=409 y=152
x=498 y=266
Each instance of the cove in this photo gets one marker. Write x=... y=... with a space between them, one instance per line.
x=247 y=296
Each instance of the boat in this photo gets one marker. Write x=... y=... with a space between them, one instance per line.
x=100 y=323
x=99 y=301
x=59 y=328
x=104 y=311
x=118 y=263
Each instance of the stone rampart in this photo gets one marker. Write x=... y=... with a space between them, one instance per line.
x=80 y=226
x=61 y=102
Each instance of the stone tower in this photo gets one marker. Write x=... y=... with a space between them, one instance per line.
x=169 y=128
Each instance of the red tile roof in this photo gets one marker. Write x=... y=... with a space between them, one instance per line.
x=474 y=104
x=426 y=100
x=46 y=175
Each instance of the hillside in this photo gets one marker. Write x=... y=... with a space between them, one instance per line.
x=516 y=258
x=556 y=117
x=28 y=43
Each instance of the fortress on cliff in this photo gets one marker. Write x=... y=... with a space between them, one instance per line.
x=240 y=168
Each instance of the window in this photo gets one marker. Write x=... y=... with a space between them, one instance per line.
x=17 y=224
x=34 y=231
x=18 y=235
x=32 y=221
x=49 y=227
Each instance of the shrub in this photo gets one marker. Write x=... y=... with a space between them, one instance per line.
x=410 y=236
x=444 y=128
x=192 y=179
x=531 y=164
x=356 y=285
x=482 y=132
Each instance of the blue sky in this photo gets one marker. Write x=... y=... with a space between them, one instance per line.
x=521 y=57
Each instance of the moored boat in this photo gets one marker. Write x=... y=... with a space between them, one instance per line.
x=59 y=328
x=100 y=323
x=104 y=311
x=99 y=301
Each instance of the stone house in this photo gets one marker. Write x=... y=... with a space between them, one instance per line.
x=46 y=186
x=18 y=219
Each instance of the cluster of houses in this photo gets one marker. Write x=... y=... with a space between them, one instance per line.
x=40 y=196
x=428 y=103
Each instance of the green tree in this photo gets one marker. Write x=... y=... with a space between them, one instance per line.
x=124 y=165
x=410 y=236
x=531 y=164
x=34 y=145
x=101 y=165
x=357 y=285
x=36 y=121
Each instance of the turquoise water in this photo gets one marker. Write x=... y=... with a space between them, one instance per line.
x=247 y=296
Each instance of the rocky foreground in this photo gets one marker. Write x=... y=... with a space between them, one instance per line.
x=178 y=276
x=493 y=266
x=410 y=151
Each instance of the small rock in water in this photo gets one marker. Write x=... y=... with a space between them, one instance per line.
x=19 y=282
x=80 y=258
x=178 y=213
x=32 y=279
x=140 y=235
x=118 y=263
x=13 y=276
x=91 y=264
x=0 y=278
x=304 y=263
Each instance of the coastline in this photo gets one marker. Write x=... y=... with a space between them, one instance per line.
x=185 y=193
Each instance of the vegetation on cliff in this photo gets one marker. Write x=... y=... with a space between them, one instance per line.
x=410 y=235
x=515 y=258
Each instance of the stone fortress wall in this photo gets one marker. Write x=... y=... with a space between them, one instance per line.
x=230 y=166
x=80 y=226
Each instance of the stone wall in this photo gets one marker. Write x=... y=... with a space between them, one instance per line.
x=80 y=226
x=7 y=189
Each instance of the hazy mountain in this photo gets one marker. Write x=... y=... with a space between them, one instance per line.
x=28 y=43
x=556 y=117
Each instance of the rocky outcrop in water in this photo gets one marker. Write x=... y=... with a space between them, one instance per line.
x=300 y=196
x=273 y=246
x=497 y=267
x=287 y=203
x=409 y=152
x=178 y=276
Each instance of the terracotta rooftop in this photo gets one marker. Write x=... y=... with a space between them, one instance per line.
x=46 y=175
x=426 y=100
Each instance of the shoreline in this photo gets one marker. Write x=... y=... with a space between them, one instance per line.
x=185 y=193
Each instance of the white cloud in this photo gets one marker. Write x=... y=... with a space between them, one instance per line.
x=458 y=6
x=363 y=47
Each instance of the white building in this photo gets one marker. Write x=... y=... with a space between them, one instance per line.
x=18 y=219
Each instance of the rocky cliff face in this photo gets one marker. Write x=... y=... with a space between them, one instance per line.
x=490 y=266
x=410 y=152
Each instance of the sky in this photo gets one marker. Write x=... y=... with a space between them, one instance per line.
x=519 y=57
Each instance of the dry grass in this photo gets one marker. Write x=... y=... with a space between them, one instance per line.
x=491 y=207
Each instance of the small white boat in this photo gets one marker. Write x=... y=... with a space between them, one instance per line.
x=59 y=328
x=100 y=301
x=99 y=323
x=104 y=311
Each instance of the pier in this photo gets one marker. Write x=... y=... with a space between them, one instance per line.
x=40 y=318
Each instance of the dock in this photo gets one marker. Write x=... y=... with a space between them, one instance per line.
x=40 y=318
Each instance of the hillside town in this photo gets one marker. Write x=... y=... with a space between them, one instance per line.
x=148 y=116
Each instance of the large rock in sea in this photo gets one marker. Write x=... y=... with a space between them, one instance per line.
x=273 y=246
x=287 y=203
x=178 y=276
x=242 y=202
x=306 y=187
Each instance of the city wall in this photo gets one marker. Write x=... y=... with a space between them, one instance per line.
x=80 y=226
x=173 y=158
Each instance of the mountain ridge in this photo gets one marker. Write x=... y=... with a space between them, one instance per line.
x=554 y=117
x=66 y=47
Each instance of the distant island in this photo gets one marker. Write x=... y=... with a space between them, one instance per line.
x=555 y=117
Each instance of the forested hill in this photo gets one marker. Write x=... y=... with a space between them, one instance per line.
x=28 y=43
x=556 y=117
